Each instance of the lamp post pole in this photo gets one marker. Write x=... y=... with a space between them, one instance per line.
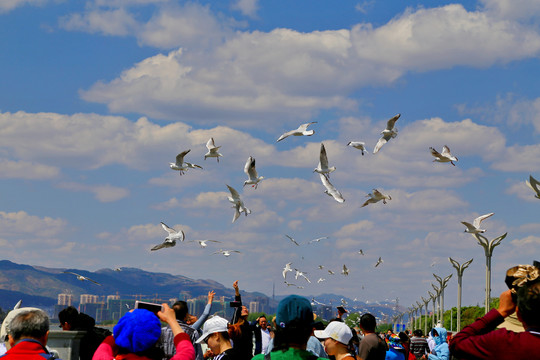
x=438 y=298
x=432 y=297
x=420 y=320
x=459 y=268
x=442 y=284
x=426 y=303
x=488 y=251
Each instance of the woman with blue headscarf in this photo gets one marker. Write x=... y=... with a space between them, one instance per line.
x=441 y=350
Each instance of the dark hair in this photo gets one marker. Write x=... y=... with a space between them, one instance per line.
x=403 y=337
x=68 y=315
x=29 y=324
x=154 y=352
x=296 y=332
x=368 y=322
x=528 y=303
x=180 y=309
x=418 y=332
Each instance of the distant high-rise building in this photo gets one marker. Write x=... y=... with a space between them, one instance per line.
x=113 y=297
x=254 y=306
x=65 y=299
x=89 y=299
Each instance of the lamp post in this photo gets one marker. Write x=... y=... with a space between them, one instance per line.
x=459 y=268
x=442 y=284
x=488 y=250
x=437 y=297
x=419 y=308
x=426 y=303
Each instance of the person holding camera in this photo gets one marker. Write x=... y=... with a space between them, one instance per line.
x=480 y=340
x=240 y=331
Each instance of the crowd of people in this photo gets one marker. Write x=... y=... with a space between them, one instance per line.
x=294 y=333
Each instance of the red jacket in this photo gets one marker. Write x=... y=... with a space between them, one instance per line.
x=480 y=340
x=27 y=349
x=108 y=349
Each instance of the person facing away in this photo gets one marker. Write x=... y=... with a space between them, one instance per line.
x=136 y=335
x=27 y=333
x=293 y=327
x=395 y=350
x=241 y=332
x=480 y=340
x=216 y=336
x=372 y=347
x=419 y=345
x=440 y=350
x=337 y=338
x=166 y=341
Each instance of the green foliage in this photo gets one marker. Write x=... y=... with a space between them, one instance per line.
x=352 y=320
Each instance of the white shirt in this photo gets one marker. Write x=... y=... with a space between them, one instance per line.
x=265 y=339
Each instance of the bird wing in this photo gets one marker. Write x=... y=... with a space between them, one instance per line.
x=95 y=282
x=390 y=123
x=323 y=158
x=168 y=229
x=534 y=184
x=435 y=153
x=210 y=144
x=331 y=189
x=180 y=157
x=286 y=135
x=294 y=241
x=234 y=193
x=383 y=140
x=236 y=212
x=377 y=194
x=446 y=151
x=469 y=226
x=249 y=168
x=304 y=127
x=159 y=246
x=481 y=218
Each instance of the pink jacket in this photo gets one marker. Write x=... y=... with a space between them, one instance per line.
x=108 y=350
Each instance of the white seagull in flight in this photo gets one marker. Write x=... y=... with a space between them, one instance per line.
x=444 y=156
x=251 y=172
x=379 y=262
x=302 y=274
x=387 y=134
x=535 y=185
x=301 y=131
x=375 y=196
x=213 y=150
x=226 y=253
x=345 y=271
x=323 y=168
x=82 y=278
x=238 y=204
x=360 y=145
x=317 y=239
x=475 y=227
x=203 y=243
x=171 y=239
x=293 y=241
x=181 y=165
x=286 y=269
x=331 y=190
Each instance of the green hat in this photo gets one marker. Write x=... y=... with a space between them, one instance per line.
x=294 y=307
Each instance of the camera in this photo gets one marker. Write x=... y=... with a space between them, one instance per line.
x=148 y=306
x=234 y=304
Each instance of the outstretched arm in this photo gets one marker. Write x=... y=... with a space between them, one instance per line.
x=197 y=324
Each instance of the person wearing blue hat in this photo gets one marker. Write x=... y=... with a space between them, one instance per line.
x=136 y=334
x=294 y=325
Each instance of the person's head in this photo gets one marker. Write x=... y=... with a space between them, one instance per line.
x=394 y=342
x=29 y=324
x=215 y=334
x=137 y=332
x=439 y=335
x=67 y=318
x=528 y=305
x=181 y=310
x=368 y=323
x=337 y=337
x=244 y=312
x=403 y=337
x=294 y=323
x=418 y=333
x=263 y=322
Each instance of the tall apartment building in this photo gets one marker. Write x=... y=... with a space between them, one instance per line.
x=65 y=299
x=89 y=299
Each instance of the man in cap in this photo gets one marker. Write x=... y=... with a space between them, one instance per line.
x=294 y=325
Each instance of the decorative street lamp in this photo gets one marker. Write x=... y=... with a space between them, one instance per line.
x=438 y=298
x=459 y=269
x=442 y=284
x=426 y=303
x=488 y=250
x=419 y=308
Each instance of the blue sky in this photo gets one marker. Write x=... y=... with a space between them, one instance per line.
x=97 y=97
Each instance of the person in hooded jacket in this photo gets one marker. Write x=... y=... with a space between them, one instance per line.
x=441 y=350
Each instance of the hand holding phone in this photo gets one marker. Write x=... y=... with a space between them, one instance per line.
x=148 y=306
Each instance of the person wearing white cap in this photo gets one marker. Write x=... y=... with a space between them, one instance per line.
x=216 y=336
x=337 y=337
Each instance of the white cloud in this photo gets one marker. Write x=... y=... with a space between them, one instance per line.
x=24 y=228
x=103 y=193
x=240 y=80
x=117 y=22
x=8 y=5
x=172 y=203
x=247 y=7
x=512 y=9
x=27 y=170
x=527 y=241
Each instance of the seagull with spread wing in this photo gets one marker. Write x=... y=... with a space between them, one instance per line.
x=292 y=240
x=360 y=145
x=171 y=239
x=213 y=150
x=375 y=196
x=387 y=134
x=331 y=190
x=203 y=243
x=323 y=168
x=181 y=165
x=226 y=253
x=238 y=204
x=302 y=274
x=474 y=228
x=251 y=172
x=317 y=240
x=345 y=270
x=444 y=156
x=535 y=185
x=286 y=269
x=379 y=262
x=301 y=131
x=81 y=277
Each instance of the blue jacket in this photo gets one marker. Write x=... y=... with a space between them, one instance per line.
x=441 y=350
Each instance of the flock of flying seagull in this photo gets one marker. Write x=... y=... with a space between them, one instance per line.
x=324 y=170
